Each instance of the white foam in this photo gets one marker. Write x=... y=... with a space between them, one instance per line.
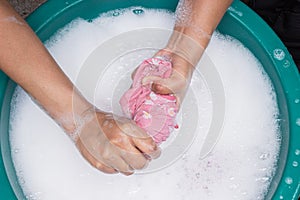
x=240 y=167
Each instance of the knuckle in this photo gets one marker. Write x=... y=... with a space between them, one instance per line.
x=121 y=142
x=107 y=156
x=105 y=169
x=151 y=145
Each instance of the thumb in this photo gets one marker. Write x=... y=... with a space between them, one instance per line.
x=158 y=85
x=151 y=79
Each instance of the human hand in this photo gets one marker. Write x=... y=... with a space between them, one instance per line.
x=179 y=80
x=184 y=52
x=114 y=144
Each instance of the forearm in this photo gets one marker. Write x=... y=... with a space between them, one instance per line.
x=196 y=20
x=203 y=19
x=25 y=60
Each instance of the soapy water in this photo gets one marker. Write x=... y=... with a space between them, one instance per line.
x=130 y=49
x=240 y=166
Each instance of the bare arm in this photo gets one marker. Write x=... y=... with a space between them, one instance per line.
x=196 y=20
x=25 y=60
x=203 y=19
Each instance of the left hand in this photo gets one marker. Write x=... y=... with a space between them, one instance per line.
x=179 y=80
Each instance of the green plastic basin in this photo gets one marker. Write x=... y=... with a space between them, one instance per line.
x=239 y=22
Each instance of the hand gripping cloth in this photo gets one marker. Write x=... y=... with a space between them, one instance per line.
x=155 y=113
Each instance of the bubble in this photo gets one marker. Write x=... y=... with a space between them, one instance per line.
x=298 y=121
x=198 y=175
x=264 y=156
x=16 y=150
x=183 y=12
x=138 y=11
x=288 y=180
x=120 y=67
x=21 y=180
x=30 y=197
x=20 y=173
x=108 y=99
x=134 y=190
x=263 y=169
x=295 y=164
x=297 y=152
x=116 y=13
x=233 y=186
x=281 y=197
x=278 y=54
x=297 y=100
x=286 y=64
x=263 y=179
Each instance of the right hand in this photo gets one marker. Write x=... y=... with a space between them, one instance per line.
x=115 y=144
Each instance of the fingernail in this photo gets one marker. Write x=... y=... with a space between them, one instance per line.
x=155 y=154
x=147 y=156
x=127 y=173
x=156 y=87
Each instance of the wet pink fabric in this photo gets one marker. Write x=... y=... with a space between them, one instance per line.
x=153 y=112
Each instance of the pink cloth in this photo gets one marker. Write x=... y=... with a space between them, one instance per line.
x=153 y=112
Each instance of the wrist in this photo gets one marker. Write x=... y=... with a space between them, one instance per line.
x=199 y=35
x=183 y=44
x=71 y=111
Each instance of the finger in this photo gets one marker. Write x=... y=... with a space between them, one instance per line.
x=125 y=147
x=178 y=102
x=155 y=154
x=111 y=156
x=175 y=83
x=148 y=147
x=158 y=85
x=132 y=156
x=93 y=161
x=140 y=140
x=100 y=166
x=135 y=159
x=119 y=164
x=127 y=173
x=129 y=128
x=161 y=89
x=133 y=73
x=151 y=79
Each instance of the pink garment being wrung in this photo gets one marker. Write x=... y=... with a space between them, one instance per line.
x=155 y=113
